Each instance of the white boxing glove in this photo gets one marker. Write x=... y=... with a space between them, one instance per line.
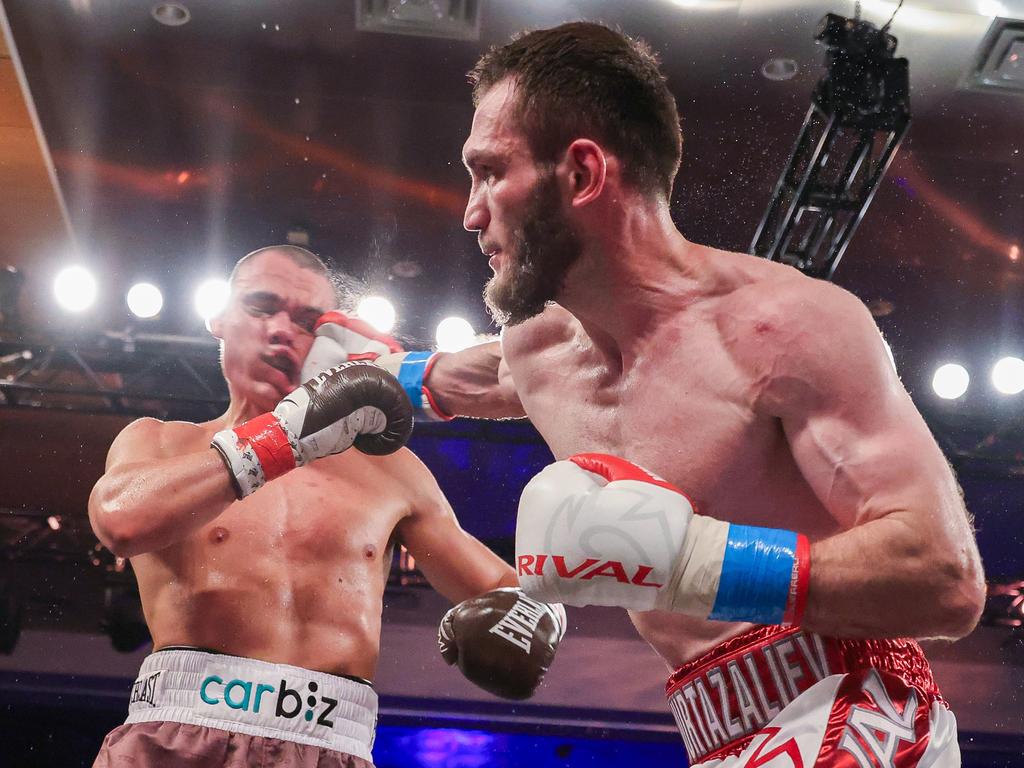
x=599 y=530
x=342 y=339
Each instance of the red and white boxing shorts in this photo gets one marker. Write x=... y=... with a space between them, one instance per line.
x=784 y=698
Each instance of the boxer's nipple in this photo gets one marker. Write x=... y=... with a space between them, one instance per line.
x=369 y=551
x=219 y=535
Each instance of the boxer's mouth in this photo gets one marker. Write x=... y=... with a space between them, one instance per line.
x=282 y=362
x=492 y=257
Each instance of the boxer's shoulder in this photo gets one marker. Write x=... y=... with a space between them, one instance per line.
x=784 y=302
x=152 y=438
x=790 y=332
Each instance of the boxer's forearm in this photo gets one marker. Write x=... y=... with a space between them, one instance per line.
x=889 y=578
x=471 y=383
x=146 y=506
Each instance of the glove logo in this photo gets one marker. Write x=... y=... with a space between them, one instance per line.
x=144 y=689
x=534 y=565
x=518 y=625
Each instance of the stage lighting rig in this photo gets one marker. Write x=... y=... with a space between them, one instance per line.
x=859 y=113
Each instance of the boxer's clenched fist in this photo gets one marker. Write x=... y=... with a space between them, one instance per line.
x=502 y=641
x=598 y=530
x=343 y=339
x=351 y=404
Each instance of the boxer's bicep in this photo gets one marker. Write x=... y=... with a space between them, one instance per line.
x=822 y=369
x=157 y=489
x=454 y=562
x=868 y=459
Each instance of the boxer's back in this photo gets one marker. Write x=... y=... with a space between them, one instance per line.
x=293 y=574
x=682 y=406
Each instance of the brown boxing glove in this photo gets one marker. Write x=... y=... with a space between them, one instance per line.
x=502 y=641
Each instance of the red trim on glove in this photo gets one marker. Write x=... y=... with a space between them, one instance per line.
x=426 y=392
x=270 y=444
x=613 y=468
x=798 y=588
x=358 y=326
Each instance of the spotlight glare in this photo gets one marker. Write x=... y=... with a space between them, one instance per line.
x=144 y=300
x=950 y=381
x=1008 y=376
x=378 y=312
x=75 y=288
x=211 y=297
x=454 y=334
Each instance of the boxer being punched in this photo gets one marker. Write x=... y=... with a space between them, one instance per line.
x=261 y=543
x=803 y=498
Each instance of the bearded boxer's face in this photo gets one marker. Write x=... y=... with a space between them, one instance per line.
x=267 y=328
x=515 y=208
x=541 y=250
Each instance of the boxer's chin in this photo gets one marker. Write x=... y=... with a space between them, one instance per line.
x=540 y=253
x=514 y=298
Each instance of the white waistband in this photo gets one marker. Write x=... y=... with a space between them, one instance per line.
x=256 y=698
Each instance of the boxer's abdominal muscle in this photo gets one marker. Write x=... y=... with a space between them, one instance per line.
x=294 y=574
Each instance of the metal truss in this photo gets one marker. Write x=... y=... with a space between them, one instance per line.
x=859 y=113
x=171 y=377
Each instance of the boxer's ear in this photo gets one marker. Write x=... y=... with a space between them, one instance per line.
x=587 y=168
x=215 y=326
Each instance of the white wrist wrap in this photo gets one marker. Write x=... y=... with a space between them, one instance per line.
x=694 y=583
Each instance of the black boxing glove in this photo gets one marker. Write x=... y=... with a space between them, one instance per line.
x=502 y=641
x=351 y=404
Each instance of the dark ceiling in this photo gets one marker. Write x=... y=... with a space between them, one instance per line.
x=177 y=149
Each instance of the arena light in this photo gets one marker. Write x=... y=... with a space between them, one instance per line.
x=951 y=381
x=1008 y=376
x=75 y=288
x=454 y=333
x=378 y=312
x=145 y=300
x=211 y=297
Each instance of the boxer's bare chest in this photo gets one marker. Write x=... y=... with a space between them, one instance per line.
x=682 y=409
x=293 y=573
x=330 y=522
x=316 y=515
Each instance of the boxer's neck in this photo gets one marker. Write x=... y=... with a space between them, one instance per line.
x=241 y=409
x=636 y=271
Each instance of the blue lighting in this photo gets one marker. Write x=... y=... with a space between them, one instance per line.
x=401 y=747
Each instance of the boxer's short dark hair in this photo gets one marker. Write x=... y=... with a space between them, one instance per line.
x=298 y=255
x=346 y=288
x=584 y=80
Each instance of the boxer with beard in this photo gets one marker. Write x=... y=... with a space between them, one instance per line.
x=738 y=462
